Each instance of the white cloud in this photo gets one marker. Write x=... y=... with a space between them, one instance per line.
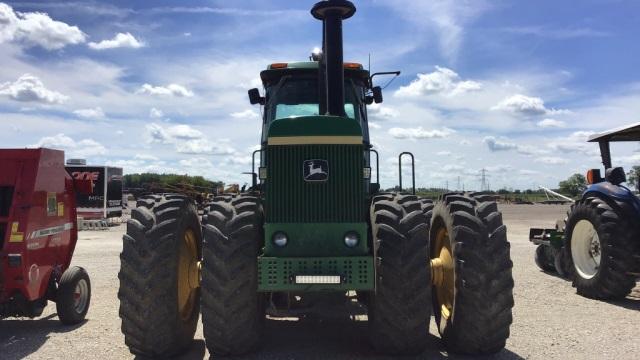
x=522 y=104
x=528 y=172
x=145 y=157
x=442 y=81
x=83 y=148
x=203 y=146
x=380 y=112
x=94 y=113
x=557 y=33
x=551 y=123
x=552 y=160
x=498 y=145
x=156 y=113
x=526 y=105
x=186 y=140
x=419 y=133
x=37 y=29
x=576 y=142
x=447 y=18
x=121 y=40
x=627 y=160
x=246 y=114
x=29 y=88
x=443 y=153
x=171 y=89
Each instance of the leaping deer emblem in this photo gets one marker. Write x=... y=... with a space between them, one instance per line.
x=314 y=169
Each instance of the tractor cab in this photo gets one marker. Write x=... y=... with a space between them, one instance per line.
x=613 y=176
x=295 y=90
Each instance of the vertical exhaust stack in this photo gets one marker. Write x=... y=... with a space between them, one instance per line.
x=332 y=12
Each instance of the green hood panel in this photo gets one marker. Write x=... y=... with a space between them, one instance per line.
x=314 y=126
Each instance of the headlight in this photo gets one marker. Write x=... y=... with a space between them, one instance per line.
x=280 y=239
x=366 y=172
x=351 y=239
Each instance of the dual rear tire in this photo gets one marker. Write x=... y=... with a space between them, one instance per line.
x=159 y=291
x=460 y=246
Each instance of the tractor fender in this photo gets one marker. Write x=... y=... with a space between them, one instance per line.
x=616 y=195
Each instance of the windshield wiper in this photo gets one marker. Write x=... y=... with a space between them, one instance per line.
x=275 y=90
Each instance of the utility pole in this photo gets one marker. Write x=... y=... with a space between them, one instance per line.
x=458 y=187
x=483 y=180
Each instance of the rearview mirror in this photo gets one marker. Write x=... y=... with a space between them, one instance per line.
x=377 y=94
x=255 y=98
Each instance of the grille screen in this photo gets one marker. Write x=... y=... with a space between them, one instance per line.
x=292 y=199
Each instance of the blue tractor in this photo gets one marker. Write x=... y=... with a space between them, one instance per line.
x=598 y=246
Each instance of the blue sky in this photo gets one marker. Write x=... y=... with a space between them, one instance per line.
x=514 y=87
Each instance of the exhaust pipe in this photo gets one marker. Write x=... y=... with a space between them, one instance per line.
x=332 y=12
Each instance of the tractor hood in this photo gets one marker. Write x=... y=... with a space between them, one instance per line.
x=314 y=130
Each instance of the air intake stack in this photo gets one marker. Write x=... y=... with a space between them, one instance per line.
x=332 y=12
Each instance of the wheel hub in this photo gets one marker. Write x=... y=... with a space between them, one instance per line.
x=442 y=274
x=585 y=249
x=188 y=274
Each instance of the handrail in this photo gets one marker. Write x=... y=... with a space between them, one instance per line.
x=413 y=171
x=377 y=165
x=253 y=167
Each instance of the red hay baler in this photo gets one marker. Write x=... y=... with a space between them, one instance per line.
x=38 y=234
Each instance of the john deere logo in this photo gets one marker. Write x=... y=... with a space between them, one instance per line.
x=316 y=170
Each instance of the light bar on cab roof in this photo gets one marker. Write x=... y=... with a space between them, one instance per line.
x=279 y=65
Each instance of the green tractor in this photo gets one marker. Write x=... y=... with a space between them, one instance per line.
x=314 y=226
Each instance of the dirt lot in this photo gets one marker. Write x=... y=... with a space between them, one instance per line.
x=550 y=320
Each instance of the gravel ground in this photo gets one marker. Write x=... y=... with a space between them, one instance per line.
x=550 y=320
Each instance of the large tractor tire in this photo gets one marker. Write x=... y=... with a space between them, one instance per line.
x=545 y=259
x=400 y=308
x=599 y=245
x=159 y=277
x=471 y=273
x=233 y=312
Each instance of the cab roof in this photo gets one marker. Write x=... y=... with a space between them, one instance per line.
x=625 y=133
x=276 y=70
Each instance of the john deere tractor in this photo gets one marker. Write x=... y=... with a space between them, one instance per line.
x=315 y=226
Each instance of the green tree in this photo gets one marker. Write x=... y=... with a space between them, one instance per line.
x=574 y=185
x=633 y=176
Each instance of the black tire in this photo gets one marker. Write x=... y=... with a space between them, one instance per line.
x=560 y=264
x=544 y=259
x=73 y=296
x=400 y=308
x=616 y=233
x=152 y=322
x=233 y=312
x=483 y=284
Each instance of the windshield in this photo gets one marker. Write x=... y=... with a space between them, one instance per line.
x=300 y=97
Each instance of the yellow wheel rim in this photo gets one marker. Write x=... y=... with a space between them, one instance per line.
x=188 y=274
x=443 y=275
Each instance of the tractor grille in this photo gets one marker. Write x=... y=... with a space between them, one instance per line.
x=290 y=198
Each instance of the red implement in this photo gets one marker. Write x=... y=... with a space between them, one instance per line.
x=38 y=230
